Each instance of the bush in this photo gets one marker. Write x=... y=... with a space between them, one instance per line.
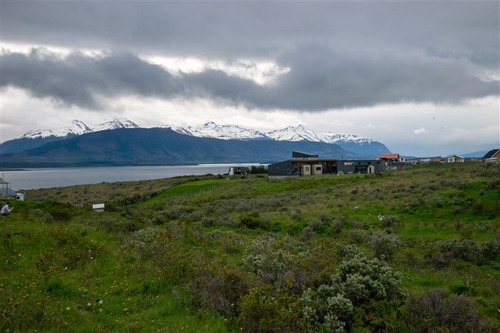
x=166 y=254
x=258 y=169
x=252 y=222
x=436 y=312
x=265 y=309
x=385 y=244
x=122 y=225
x=357 y=236
x=208 y=221
x=230 y=241
x=359 y=288
x=220 y=289
x=364 y=280
x=326 y=311
x=275 y=261
x=469 y=250
x=60 y=212
x=307 y=234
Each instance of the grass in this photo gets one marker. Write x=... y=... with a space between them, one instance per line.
x=172 y=255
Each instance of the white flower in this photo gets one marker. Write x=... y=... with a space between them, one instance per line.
x=88 y=304
x=100 y=302
x=68 y=308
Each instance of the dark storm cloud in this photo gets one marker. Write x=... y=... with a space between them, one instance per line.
x=339 y=54
x=79 y=80
x=319 y=79
x=246 y=30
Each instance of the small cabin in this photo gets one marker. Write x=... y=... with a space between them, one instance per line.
x=456 y=159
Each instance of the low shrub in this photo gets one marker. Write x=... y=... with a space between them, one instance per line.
x=469 y=250
x=265 y=309
x=252 y=222
x=219 y=288
x=60 y=212
x=275 y=261
x=436 y=311
x=359 y=288
x=385 y=244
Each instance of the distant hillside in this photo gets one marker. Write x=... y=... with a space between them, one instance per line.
x=159 y=146
x=37 y=138
x=22 y=144
x=357 y=145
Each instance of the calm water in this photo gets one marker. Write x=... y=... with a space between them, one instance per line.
x=57 y=177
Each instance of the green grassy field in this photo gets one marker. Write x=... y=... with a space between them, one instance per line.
x=409 y=251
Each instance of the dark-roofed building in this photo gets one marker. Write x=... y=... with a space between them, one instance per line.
x=362 y=166
x=302 y=167
x=493 y=156
x=303 y=164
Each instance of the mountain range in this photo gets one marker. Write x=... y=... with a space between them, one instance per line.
x=122 y=142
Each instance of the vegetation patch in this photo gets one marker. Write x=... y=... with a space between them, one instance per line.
x=408 y=251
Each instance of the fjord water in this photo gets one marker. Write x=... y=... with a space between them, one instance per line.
x=29 y=179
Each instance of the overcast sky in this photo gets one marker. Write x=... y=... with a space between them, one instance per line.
x=421 y=77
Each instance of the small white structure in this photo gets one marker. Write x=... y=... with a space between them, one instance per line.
x=20 y=196
x=456 y=159
x=98 y=207
x=238 y=170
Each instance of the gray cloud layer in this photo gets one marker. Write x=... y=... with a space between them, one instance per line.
x=319 y=79
x=339 y=55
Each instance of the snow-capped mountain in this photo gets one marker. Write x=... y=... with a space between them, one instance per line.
x=294 y=133
x=223 y=132
x=78 y=127
x=336 y=138
x=290 y=133
x=299 y=134
x=115 y=123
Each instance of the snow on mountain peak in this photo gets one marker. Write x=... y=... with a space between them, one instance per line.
x=115 y=123
x=336 y=137
x=223 y=132
x=294 y=133
x=209 y=129
x=78 y=127
x=290 y=133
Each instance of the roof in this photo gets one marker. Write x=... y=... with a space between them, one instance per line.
x=388 y=156
x=491 y=153
x=299 y=154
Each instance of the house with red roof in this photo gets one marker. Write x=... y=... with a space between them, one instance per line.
x=391 y=158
